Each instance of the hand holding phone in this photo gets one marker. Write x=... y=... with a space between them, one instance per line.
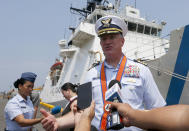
x=84 y=93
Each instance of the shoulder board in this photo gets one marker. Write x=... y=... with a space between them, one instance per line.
x=140 y=61
x=94 y=65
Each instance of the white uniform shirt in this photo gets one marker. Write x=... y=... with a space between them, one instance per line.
x=140 y=92
x=17 y=106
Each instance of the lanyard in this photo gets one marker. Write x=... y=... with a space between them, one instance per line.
x=104 y=88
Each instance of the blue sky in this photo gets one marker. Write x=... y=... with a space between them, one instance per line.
x=30 y=31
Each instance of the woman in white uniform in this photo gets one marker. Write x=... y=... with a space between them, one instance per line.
x=19 y=110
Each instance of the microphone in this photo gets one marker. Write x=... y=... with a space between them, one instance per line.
x=56 y=110
x=112 y=82
x=113 y=94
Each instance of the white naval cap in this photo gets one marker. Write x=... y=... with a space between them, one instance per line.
x=110 y=24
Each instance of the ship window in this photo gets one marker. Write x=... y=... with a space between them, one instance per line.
x=133 y=12
x=140 y=28
x=132 y=26
x=91 y=21
x=94 y=19
x=154 y=32
x=166 y=49
x=126 y=22
x=147 y=30
x=70 y=43
x=99 y=16
x=159 y=32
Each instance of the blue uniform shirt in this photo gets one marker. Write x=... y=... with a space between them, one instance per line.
x=17 y=106
x=138 y=89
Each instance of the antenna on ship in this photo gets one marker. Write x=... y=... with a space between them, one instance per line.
x=135 y=3
x=117 y=5
x=91 y=5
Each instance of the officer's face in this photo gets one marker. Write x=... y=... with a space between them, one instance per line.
x=111 y=44
x=26 y=88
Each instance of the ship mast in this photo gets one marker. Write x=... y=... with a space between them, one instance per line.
x=117 y=5
x=91 y=4
x=135 y=3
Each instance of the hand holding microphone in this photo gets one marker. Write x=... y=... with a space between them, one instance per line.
x=113 y=94
x=125 y=110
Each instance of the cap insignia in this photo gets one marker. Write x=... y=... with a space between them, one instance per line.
x=107 y=22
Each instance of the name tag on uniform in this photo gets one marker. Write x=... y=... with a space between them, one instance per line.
x=131 y=80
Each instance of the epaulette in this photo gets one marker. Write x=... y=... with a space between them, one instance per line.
x=141 y=62
x=94 y=65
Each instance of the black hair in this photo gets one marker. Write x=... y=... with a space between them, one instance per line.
x=70 y=86
x=19 y=81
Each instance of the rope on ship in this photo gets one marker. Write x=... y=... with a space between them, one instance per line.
x=165 y=71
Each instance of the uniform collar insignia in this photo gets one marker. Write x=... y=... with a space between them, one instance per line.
x=107 y=22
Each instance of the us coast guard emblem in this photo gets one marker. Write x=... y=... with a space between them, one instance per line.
x=107 y=22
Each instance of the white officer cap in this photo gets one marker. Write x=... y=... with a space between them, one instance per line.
x=109 y=25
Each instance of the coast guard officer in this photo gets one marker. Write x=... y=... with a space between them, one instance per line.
x=138 y=87
x=19 y=110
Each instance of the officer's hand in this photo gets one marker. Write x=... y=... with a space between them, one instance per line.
x=49 y=122
x=124 y=110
